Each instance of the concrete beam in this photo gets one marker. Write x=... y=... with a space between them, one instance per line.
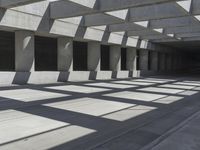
x=146 y=32
x=14 y=3
x=195 y=10
x=183 y=35
x=154 y=37
x=66 y=8
x=174 y=22
x=128 y=26
x=191 y=39
x=100 y=19
x=158 y=11
x=185 y=29
x=165 y=40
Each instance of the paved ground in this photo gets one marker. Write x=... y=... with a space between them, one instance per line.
x=146 y=113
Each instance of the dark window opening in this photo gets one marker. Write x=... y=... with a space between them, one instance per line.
x=123 y=59
x=138 y=60
x=159 y=61
x=45 y=54
x=150 y=55
x=80 y=55
x=7 y=51
x=105 y=57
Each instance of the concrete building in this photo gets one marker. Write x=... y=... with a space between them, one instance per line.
x=45 y=41
x=99 y=74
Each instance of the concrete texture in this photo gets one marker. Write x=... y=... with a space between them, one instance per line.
x=65 y=54
x=187 y=134
x=98 y=115
x=24 y=51
x=94 y=56
x=143 y=63
x=115 y=58
x=109 y=113
x=131 y=59
x=162 y=61
x=154 y=61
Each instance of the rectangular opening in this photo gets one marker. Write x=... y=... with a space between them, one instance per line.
x=7 y=51
x=105 y=57
x=138 y=60
x=150 y=56
x=45 y=54
x=80 y=54
x=159 y=61
x=123 y=59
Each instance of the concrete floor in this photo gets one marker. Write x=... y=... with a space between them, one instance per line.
x=146 y=113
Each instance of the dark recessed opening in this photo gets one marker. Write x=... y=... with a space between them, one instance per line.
x=7 y=51
x=159 y=61
x=45 y=54
x=123 y=58
x=138 y=60
x=105 y=57
x=150 y=56
x=80 y=55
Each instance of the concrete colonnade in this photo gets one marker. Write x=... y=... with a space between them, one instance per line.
x=24 y=58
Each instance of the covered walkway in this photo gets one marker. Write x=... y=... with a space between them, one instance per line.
x=101 y=115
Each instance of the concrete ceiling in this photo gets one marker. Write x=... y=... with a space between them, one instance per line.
x=160 y=21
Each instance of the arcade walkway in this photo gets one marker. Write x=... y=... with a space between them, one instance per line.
x=132 y=114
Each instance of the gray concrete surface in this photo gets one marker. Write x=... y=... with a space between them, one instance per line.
x=123 y=114
x=24 y=51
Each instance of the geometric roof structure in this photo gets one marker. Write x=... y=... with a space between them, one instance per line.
x=150 y=20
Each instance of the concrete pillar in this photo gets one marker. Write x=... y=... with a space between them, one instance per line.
x=174 y=62
x=131 y=59
x=115 y=58
x=180 y=62
x=94 y=56
x=162 y=62
x=24 y=51
x=168 y=62
x=154 y=61
x=143 y=60
x=65 y=54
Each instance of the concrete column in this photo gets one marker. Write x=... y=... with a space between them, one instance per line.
x=131 y=59
x=94 y=56
x=24 y=51
x=174 y=62
x=65 y=54
x=162 y=62
x=180 y=62
x=168 y=62
x=154 y=61
x=115 y=58
x=143 y=60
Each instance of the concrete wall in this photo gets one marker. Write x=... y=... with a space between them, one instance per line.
x=8 y=78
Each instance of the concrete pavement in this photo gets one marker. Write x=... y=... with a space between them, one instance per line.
x=126 y=114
